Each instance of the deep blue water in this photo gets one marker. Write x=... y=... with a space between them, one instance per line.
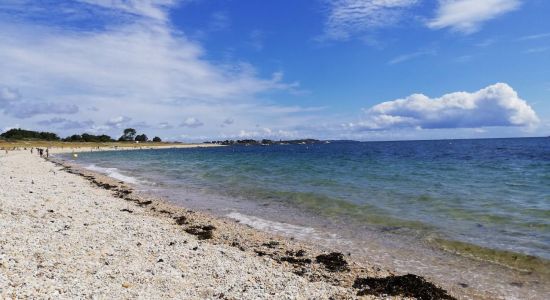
x=494 y=193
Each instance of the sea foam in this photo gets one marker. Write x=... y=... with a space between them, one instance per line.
x=113 y=173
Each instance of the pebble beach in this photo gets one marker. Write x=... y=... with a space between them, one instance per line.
x=70 y=233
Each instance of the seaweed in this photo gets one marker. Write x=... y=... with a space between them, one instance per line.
x=202 y=232
x=409 y=285
x=127 y=210
x=271 y=244
x=144 y=203
x=182 y=220
x=334 y=262
x=296 y=261
x=298 y=253
x=260 y=253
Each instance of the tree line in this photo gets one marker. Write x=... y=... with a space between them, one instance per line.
x=129 y=135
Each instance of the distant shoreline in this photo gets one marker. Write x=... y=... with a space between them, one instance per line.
x=69 y=147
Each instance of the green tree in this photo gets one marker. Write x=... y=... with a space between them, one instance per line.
x=21 y=134
x=142 y=138
x=128 y=135
x=157 y=139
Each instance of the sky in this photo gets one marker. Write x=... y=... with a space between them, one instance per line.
x=196 y=70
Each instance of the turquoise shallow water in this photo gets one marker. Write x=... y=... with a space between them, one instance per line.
x=492 y=193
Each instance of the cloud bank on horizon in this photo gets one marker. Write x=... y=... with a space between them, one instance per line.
x=104 y=65
x=495 y=105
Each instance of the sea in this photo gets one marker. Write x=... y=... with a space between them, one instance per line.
x=474 y=214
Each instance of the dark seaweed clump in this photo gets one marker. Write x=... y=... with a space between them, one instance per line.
x=144 y=203
x=271 y=244
x=406 y=285
x=296 y=261
x=334 y=262
x=181 y=220
x=202 y=232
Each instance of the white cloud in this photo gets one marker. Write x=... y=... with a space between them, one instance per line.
x=12 y=104
x=267 y=133
x=534 y=37
x=495 y=105
x=191 y=123
x=134 y=63
x=62 y=123
x=118 y=121
x=8 y=97
x=468 y=15
x=350 y=17
x=536 y=50
x=154 y=9
x=410 y=56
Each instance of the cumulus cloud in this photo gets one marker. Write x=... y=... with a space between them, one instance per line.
x=468 y=15
x=191 y=123
x=495 y=105
x=350 y=17
x=118 y=121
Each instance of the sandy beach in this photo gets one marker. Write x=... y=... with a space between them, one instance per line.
x=71 y=233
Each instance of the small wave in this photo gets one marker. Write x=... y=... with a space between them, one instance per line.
x=300 y=232
x=272 y=226
x=113 y=173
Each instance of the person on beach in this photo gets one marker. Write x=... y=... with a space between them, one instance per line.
x=47 y=152
x=31 y=150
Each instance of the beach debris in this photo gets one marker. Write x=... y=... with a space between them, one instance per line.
x=126 y=285
x=181 y=220
x=127 y=210
x=144 y=203
x=334 y=262
x=296 y=261
x=271 y=244
x=260 y=253
x=298 y=253
x=202 y=232
x=409 y=285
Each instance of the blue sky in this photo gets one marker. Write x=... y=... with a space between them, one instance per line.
x=334 y=69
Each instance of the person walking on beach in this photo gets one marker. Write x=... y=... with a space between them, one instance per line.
x=47 y=152
x=31 y=150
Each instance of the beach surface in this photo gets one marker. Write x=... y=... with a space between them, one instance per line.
x=62 y=237
x=71 y=233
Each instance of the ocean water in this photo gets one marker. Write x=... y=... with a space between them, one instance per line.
x=490 y=196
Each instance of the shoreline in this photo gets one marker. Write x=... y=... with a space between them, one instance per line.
x=431 y=259
x=332 y=274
